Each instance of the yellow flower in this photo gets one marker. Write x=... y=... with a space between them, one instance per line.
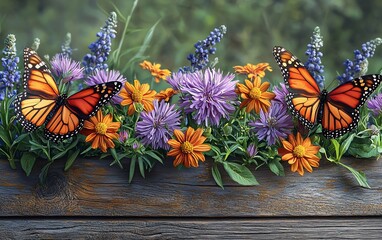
x=253 y=71
x=100 y=130
x=166 y=94
x=300 y=153
x=155 y=70
x=137 y=93
x=254 y=95
x=188 y=148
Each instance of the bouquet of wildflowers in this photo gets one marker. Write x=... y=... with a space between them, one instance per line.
x=236 y=120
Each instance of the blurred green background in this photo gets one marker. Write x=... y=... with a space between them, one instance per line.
x=253 y=28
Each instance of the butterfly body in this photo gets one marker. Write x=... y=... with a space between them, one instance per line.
x=41 y=102
x=337 y=111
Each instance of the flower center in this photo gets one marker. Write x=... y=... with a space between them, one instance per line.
x=272 y=122
x=299 y=151
x=255 y=93
x=101 y=128
x=137 y=96
x=187 y=147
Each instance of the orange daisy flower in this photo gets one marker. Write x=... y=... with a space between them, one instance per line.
x=137 y=94
x=101 y=130
x=188 y=148
x=155 y=70
x=166 y=94
x=300 y=153
x=252 y=70
x=254 y=95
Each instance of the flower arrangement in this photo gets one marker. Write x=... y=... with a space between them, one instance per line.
x=236 y=120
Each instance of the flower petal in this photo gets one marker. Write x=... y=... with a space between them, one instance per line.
x=179 y=135
x=174 y=143
x=202 y=148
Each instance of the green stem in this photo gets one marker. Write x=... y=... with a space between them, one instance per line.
x=118 y=51
x=136 y=120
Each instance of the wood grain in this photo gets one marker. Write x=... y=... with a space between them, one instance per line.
x=92 y=188
x=328 y=228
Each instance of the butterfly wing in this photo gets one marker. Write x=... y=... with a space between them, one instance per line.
x=69 y=118
x=38 y=99
x=304 y=95
x=63 y=124
x=341 y=109
x=87 y=102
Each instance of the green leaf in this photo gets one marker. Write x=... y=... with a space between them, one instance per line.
x=44 y=172
x=143 y=47
x=216 y=150
x=359 y=176
x=240 y=174
x=19 y=138
x=233 y=147
x=59 y=155
x=276 y=167
x=27 y=161
x=37 y=145
x=72 y=157
x=4 y=135
x=114 y=154
x=345 y=144
x=73 y=144
x=217 y=176
x=132 y=168
x=361 y=150
x=86 y=150
x=147 y=161
x=141 y=167
x=154 y=155
x=336 y=146
x=5 y=153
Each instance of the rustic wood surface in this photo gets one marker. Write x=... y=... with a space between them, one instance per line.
x=98 y=201
x=326 y=228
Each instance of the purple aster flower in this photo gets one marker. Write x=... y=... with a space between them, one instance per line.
x=123 y=136
x=66 y=68
x=100 y=49
x=176 y=80
x=104 y=76
x=156 y=127
x=314 y=64
x=375 y=104
x=10 y=76
x=208 y=95
x=203 y=48
x=281 y=94
x=251 y=150
x=275 y=124
x=358 y=66
x=136 y=146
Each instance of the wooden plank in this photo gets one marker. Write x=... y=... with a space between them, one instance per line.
x=360 y=228
x=92 y=188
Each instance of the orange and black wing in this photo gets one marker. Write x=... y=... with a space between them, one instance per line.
x=63 y=124
x=38 y=99
x=340 y=112
x=304 y=94
x=68 y=120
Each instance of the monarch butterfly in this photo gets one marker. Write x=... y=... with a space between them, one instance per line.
x=42 y=103
x=337 y=111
